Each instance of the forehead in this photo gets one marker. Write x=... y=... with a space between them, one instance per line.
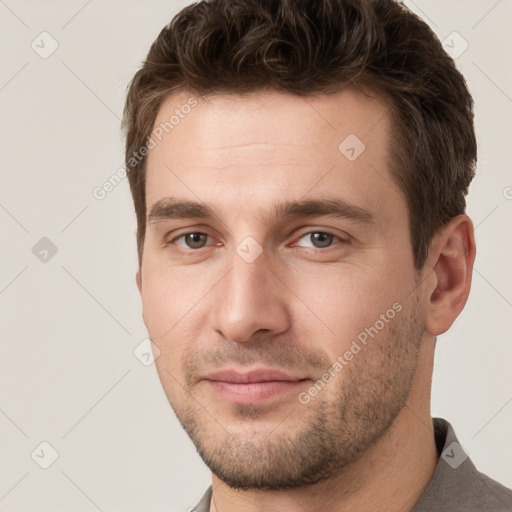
x=270 y=143
x=223 y=120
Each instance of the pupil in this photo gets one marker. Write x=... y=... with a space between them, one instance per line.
x=321 y=239
x=194 y=240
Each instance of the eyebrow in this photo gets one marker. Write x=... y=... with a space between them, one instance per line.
x=172 y=208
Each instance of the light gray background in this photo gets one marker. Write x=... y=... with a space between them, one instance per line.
x=68 y=375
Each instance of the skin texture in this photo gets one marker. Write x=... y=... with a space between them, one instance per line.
x=364 y=439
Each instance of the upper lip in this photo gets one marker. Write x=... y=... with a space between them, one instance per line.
x=247 y=377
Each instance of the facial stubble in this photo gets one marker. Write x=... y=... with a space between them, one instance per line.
x=336 y=427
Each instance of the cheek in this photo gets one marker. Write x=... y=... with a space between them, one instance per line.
x=170 y=298
x=341 y=303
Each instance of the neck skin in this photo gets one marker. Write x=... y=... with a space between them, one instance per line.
x=391 y=476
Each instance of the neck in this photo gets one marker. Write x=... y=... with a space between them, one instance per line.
x=391 y=476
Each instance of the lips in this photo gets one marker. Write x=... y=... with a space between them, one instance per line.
x=258 y=375
x=252 y=386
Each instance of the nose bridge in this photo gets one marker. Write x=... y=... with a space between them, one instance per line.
x=248 y=300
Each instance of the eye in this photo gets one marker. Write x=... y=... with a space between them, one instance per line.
x=319 y=239
x=194 y=240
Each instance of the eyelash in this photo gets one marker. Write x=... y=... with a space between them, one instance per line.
x=323 y=249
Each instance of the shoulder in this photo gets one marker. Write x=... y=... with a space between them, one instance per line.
x=457 y=484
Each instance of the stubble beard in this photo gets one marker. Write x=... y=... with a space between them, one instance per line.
x=338 y=425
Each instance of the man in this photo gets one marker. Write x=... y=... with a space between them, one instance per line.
x=299 y=171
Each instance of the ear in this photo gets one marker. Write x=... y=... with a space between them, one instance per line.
x=451 y=257
x=138 y=280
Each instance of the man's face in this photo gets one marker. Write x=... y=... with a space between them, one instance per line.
x=253 y=311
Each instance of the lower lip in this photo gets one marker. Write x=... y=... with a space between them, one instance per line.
x=254 y=392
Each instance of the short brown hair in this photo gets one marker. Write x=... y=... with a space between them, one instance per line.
x=311 y=47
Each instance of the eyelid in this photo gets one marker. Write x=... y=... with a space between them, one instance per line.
x=178 y=233
x=341 y=239
x=181 y=235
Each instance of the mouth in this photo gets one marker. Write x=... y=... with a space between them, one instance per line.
x=252 y=387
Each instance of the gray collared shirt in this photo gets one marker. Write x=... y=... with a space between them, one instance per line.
x=457 y=486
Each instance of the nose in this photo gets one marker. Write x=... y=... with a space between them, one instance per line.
x=250 y=300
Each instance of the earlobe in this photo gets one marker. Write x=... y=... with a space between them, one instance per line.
x=451 y=259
